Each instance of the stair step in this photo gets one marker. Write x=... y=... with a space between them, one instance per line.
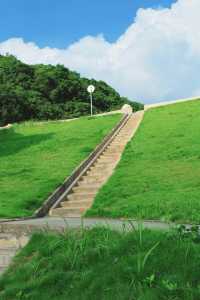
x=82 y=183
x=95 y=178
x=85 y=189
x=113 y=151
x=116 y=144
x=9 y=245
x=67 y=212
x=113 y=147
x=122 y=136
x=94 y=174
x=92 y=180
x=81 y=196
x=120 y=143
x=106 y=160
x=97 y=173
x=106 y=163
x=77 y=203
x=5 y=260
x=114 y=155
x=9 y=251
x=101 y=168
x=102 y=165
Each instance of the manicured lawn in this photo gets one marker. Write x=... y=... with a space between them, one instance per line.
x=159 y=174
x=101 y=264
x=35 y=158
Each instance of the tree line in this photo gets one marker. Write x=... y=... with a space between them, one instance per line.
x=47 y=92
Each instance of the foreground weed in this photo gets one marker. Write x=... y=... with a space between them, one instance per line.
x=103 y=264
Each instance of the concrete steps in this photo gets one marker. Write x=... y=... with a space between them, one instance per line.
x=110 y=155
x=83 y=194
x=93 y=180
x=67 y=211
x=10 y=244
x=86 y=189
x=98 y=168
x=77 y=203
x=80 y=196
x=96 y=173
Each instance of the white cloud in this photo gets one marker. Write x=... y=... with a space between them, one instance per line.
x=157 y=58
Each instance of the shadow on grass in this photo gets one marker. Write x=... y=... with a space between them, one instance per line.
x=12 y=142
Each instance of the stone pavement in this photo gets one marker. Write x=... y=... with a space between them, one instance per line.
x=10 y=243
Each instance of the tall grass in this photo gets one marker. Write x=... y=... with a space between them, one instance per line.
x=103 y=264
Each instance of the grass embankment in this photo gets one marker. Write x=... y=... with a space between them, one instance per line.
x=101 y=264
x=158 y=176
x=35 y=158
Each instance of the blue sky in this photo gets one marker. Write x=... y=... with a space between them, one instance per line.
x=149 y=55
x=58 y=23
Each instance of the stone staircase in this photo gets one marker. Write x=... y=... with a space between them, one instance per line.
x=10 y=244
x=82 y=195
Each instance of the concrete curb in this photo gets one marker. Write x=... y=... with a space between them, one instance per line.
x=62 y=224
x=149 y=106
x=64 y=120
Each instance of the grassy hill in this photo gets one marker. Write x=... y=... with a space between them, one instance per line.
x=46 y=92
x=35 y=158
x=101 y=264
x=158 y=176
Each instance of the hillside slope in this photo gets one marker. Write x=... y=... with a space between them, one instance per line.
x=50 y=92
x=35 y=158
x=158 y=176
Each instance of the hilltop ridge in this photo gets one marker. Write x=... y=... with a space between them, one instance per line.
x=47 y=92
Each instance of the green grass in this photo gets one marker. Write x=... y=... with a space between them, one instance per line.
x=35 y=158
x=101 y=264
x=158 y=176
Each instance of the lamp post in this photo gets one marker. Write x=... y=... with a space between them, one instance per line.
x=91 y=90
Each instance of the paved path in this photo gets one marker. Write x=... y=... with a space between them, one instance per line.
x=57 y=223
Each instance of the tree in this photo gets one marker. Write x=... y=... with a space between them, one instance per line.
x=42 y=92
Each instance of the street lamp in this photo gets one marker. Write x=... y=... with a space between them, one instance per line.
x=91 y=90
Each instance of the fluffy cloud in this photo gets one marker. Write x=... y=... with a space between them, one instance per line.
x=157 y=58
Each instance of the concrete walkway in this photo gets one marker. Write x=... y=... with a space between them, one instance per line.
x=58 y=223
